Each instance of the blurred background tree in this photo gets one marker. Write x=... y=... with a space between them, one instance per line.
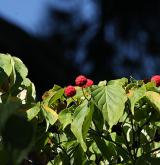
x=103 y=39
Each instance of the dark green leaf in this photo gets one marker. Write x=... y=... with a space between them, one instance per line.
x=98 y=119
x=18 y=132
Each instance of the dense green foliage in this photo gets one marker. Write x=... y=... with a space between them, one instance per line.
x=114 y=122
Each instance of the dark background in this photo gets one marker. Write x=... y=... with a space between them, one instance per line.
x=103 y=39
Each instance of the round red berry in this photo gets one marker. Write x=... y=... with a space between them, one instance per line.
x=89 y=83
x=70 y=91
x=81 y=80
x=156 y=79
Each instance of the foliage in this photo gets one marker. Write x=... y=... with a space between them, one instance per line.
x=115 y=122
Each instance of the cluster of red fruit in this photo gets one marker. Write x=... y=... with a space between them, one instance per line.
x=80 y=81
x=156 y=79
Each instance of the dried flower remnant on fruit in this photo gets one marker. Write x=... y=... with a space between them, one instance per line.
x=81 y=80
x=156 y=79
x=70 y=91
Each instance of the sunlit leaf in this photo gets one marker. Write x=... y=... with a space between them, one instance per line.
x=65 y=117
x=110 y=100
x=81 y=123
x=33 y=112
x=50 y=115
x=135 y=95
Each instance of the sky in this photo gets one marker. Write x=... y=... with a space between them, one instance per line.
x=26 y=13
x=31 y=15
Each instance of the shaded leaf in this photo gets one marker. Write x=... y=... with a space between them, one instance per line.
x=18 y=132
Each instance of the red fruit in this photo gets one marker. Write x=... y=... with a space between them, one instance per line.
x=156 y=79
x=70 y=91
x=81 y=80
x=89 y=83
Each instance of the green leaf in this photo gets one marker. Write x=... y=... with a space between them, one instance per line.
x=81 y=122
x=56 y=161
x=20 y=67
x=3 y=156
x=148 y=161
x=50 y=115
x=56 y=96
x=79 y=156
x=110 y=100
x=6 y=63
x=11 y=106
x=65 y=117
x=150 y=86
x=102 y=83
x=98 y=119
x=64 y=158
x=136 y=95
x=154 y=99
x=106 y=148
x=31 y=92
x=121 y=82
x=33 y=112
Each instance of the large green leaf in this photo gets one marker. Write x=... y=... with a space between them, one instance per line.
x=110 y=100
x=17 y=138
x=18 y=132
x=135 y=95
x=31 y=92
x=20 y=67
x=6 y=63
x=147 y=160
x=50 y=115
x=6 y=109
x=98 y=119
x=154 y=99
x=122 y=82
x=106 y=148
x=56 y=96
x=33 y=112
x=81 y=122
x=65 y=117
x=79 y=156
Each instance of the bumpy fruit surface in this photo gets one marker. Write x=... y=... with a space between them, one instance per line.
x=156 y=79
x=81 y=80
x=89 y=83
x=70 y=91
